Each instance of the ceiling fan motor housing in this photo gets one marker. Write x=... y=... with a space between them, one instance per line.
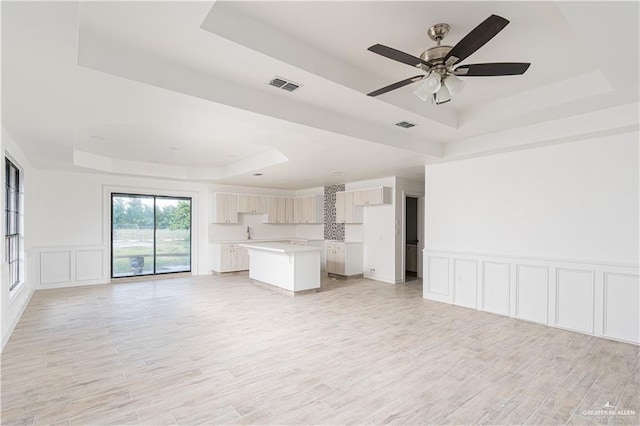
x=434 y=56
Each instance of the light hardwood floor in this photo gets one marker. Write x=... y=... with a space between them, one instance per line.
x=221 y=350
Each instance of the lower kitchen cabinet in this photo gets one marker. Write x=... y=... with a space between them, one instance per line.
x=344 y=258
x=229 y=258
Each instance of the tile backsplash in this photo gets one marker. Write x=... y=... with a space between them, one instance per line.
x=332 y=230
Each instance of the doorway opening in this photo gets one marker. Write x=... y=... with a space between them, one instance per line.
x=150 y=235
x=412 y=239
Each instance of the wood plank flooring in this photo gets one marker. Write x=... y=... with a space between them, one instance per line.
x=221 y=350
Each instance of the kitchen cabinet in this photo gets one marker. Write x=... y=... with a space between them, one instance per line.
x=277 y=210
x=344 y=258
x=224 y=208
x=372 y=197
x=308 y=209
x=288 y=210
x=229 y=258
x=252 y=204
x=297 y=210
x=346 y=210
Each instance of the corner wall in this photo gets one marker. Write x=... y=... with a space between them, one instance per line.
x=548 y=235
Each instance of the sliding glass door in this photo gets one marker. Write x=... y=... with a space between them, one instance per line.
x=150 y=235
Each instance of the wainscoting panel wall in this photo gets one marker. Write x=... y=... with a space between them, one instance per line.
x=600 y=299
x=532 y=293
x=71 y=266
x=465 y=283
x=621 y=304
x=55 y=266
x=438 y=285
x=495 y=287
x=89 y=265
x=574 y=299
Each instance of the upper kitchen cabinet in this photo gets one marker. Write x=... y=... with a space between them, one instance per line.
x=252 y=203
x=346 y=211
x=277 y=210
x=224 y=208
x=308 y=209
x=288 y=210
x=372 y=197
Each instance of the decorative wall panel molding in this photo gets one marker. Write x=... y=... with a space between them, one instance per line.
x=621 y=305
x=532 y=293
x=496 y=292
x=465 y=283
x=592 y=298
x=55 y=267
x=574 y=299
x=71 y=266
x=89 y=265
x=438 y=270
x=332 y=230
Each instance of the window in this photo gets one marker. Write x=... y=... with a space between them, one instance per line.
x=150 y=235
x=13 y=209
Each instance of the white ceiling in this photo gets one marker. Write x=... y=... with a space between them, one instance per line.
x=179 y=89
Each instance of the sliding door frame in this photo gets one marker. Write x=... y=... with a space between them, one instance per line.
x=114 y=194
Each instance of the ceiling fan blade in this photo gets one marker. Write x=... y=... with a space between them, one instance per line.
x=395 y=86
x=492 y=69
x=477 y=38
x=396 y=55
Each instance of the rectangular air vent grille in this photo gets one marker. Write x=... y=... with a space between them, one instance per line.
x=290 y=87
x=405 y=124
x=281 y=83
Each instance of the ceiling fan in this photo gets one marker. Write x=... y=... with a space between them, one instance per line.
x=441 y=80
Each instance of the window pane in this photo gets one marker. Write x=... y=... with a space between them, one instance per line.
x=11 y=224
x=132 y=235
x=13 y=208
x=15 y=278
x=173 y=235
x=11 y=200
x=12 y=176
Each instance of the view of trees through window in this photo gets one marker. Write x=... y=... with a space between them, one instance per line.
x=150 y=235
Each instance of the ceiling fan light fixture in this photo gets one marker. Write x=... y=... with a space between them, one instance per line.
x=454 y=84
x=433 y=82
x=442 y=96
x=422 y=93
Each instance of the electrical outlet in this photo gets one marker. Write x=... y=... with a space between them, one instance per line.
x=372 y=270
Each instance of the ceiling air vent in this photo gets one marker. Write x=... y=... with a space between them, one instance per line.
x=405 y=124
x=281 y=83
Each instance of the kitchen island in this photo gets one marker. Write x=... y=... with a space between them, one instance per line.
x=290 y=267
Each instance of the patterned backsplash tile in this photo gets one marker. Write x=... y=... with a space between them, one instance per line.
x=332 y=230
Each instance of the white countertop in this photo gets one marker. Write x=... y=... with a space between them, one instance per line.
x=279 y=247
x=343 y=242
x=262 y=240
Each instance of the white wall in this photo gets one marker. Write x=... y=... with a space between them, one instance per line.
x=12 y=304
x=72 y=226
x=548 y=235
